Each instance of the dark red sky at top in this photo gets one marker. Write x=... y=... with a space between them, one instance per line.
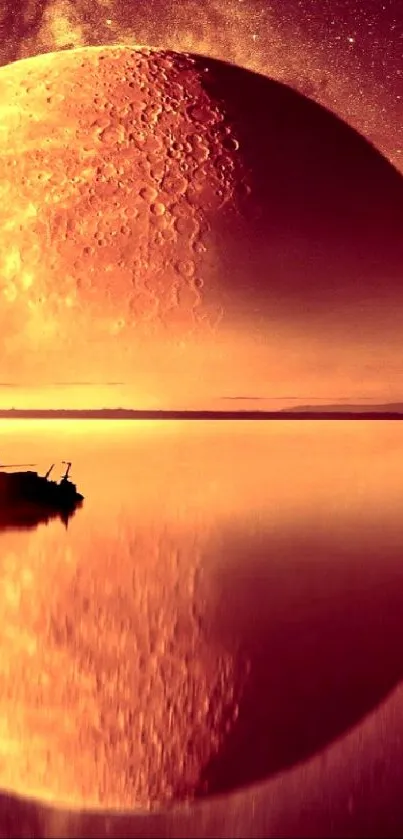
x=346 y=54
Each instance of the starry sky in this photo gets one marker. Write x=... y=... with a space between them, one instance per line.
x=345 y=54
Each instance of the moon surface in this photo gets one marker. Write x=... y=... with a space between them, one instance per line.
x=191 y=229
x=119 y=159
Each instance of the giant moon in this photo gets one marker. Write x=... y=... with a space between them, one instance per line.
x=191 y=229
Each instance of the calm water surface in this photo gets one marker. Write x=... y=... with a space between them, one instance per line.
x=227 y=602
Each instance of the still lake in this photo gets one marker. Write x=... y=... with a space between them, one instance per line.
x=227 y=602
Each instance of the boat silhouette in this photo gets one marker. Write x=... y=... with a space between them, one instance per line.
x=28 y=498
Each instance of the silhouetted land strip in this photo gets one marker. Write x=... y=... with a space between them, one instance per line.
x=126 y=414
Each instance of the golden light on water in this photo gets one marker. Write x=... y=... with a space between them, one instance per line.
x=170 y=604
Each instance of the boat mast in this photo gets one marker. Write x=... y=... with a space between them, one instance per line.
x=66 y=474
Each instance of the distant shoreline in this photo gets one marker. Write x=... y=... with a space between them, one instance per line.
x=127 y=414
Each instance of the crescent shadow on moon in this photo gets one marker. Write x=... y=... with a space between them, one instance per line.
x=326 y=206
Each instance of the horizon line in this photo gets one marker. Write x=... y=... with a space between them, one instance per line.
x=386 y=411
